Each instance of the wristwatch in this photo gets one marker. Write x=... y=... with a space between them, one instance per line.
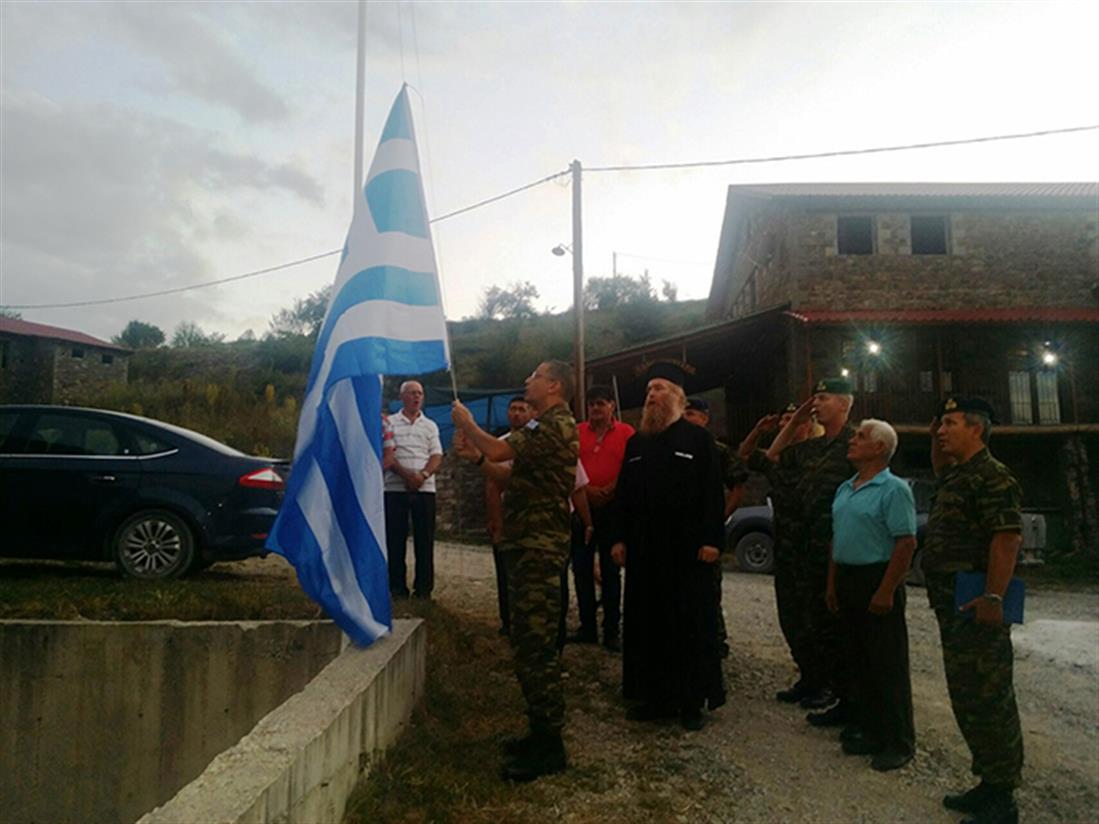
x=994 y=598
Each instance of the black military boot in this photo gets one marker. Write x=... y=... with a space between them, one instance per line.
x=997 y=807
x=541 y=754
x=968 y=802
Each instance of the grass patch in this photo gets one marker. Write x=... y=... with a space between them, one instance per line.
x=446 y=767
x=58 y=591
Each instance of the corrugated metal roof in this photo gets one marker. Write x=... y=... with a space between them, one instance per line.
x=12 y=326
x=1081 y=189
x=1045 y=314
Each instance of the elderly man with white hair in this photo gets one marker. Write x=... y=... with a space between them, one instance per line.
x=873 y=538
x=410 y=493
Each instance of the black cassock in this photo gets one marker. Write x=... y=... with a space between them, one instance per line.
x=669 y=503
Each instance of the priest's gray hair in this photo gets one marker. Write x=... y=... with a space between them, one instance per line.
x=883 y=433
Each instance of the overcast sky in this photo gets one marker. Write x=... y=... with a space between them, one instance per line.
x=147 y=146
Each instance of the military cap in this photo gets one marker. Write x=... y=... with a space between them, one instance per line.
x=697 y=403
x=668 y=370
x=957 y=403
x=834 y=386
x=790 y=407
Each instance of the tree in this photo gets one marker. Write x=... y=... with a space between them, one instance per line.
x=617 y=290
x=669 y=290
x=304 y=317
x=5 y=312
x=516 y=301
x=140 y=335
x=189 y=335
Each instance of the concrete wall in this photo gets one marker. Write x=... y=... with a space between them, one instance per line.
x=302 y=761
x=99 y=722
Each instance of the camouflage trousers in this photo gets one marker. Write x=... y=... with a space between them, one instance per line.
x=534 y=593
x=820 y=647
x=790 y=615
x=978 y=660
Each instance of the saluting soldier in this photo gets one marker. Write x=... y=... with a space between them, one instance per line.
x=976 y=525
x=786 y=518
x=821 y=465
x=535 y=546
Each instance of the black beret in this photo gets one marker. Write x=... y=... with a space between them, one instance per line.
x=956 y=403
x=668 y=370
x=701 y=404
x=834 y=386
x=790 y=407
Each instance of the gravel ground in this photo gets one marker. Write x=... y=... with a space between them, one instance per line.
x=758 y=761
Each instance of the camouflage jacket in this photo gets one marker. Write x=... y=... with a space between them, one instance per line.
x=820 y=466
x=536 y=506
x=972 y=502
x=733 y=470
x=783 y=481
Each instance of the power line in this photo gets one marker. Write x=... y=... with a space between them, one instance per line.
x=269 y=269
x=555 y=176
x=841 y=152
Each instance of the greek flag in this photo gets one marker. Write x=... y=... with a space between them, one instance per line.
x=385 y=317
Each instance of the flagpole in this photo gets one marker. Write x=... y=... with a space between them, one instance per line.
x=360 y=83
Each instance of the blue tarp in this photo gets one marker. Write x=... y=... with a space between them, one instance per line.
x=489 y=408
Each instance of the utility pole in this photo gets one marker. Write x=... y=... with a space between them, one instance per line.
x=360 y=82
x=578 y=291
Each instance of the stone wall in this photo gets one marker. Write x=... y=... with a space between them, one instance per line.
x=77 y=378
x=460 y=501
x=996 y=259
x=27 y=375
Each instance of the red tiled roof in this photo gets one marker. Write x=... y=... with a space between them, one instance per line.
x=12 y=326
x=1011 y=314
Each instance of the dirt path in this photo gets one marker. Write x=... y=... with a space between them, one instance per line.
x=758 y=761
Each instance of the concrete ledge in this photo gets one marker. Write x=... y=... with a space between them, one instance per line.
x=303 y=759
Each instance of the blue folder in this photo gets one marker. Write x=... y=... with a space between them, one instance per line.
x=970 y=585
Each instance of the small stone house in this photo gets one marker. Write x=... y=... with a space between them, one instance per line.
x=49 y=364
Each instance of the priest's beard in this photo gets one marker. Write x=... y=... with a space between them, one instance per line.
x=657 y=417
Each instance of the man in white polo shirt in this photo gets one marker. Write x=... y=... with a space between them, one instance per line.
x=410 y=492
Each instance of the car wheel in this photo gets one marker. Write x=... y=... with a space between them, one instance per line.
x=154 y=544
x=755 y=552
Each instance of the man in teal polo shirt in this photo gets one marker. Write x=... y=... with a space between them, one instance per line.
x=873 y=538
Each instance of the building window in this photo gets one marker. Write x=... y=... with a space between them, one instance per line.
x=1049 y=403
x=3 y=354
x=77 y=353
x=1019 y=391
x=928 y=234
x=854 y=235
x=108 y=359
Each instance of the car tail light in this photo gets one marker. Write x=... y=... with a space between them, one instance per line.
x=265 y=478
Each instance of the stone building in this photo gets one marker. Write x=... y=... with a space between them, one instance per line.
x=48 y=364
x=914 y=291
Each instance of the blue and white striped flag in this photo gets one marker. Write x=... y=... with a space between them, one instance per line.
x=385 y=317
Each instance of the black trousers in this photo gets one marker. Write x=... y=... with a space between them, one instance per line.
x=583 y=557
x=399 y=506
x=876 y=656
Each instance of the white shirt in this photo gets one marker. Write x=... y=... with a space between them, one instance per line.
x=415 y=442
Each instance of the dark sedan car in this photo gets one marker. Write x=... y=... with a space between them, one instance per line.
x=156 y=499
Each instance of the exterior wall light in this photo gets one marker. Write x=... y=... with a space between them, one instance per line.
x=873 y=347
x=1049 y=358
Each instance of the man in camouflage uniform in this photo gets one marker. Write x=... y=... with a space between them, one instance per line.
x=785 y=515
x=534 y=545
x=820 y=465
x=734 y=475
x=975 y=525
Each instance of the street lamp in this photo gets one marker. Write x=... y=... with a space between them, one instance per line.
x=873 y=347
x=560 y=249
x=578 y=341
